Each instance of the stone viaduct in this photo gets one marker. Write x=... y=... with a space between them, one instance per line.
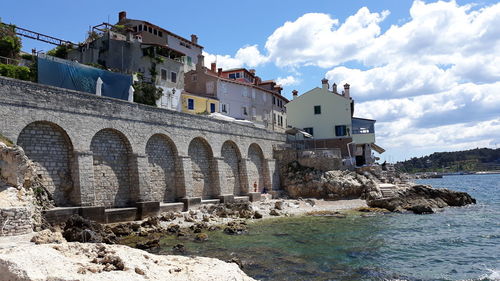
x=98 y=151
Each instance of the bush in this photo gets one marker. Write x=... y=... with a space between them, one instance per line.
x=10 y=43
x=17 y=72
x=146 y=93
x=60 y=51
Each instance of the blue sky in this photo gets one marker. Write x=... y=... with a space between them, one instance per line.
x=428 y=71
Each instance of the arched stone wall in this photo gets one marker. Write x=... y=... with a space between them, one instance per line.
x=202 y=169
x=231 y=167
x=111 y=164
x=162 y=158
x=50 y=148
x=256 y=167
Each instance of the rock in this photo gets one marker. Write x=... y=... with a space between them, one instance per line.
x=139 y=271
x=257 y=215
x=173 y=228
x=78 y=229
x=273 y=212
x=201 y=237
x=310 y=202
x=246 y=214
x=179 y=249
x=168 y=216
x=151 y=222
x=122 y=229
x=422 y=199
x=198 y=227
x=47 y=237
x=148 y=244
x=188 y=218
x=236 y=261
x=279 y=205
x=235 y=228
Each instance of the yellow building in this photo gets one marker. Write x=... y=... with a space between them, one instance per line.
x=192 y=103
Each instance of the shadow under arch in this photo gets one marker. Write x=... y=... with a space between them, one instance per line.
x=49 y=146
x=202 y=169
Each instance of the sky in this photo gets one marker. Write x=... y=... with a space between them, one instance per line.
x=427 y=71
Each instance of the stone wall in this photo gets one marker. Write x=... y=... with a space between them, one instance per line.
x=230 y=167
x=50 y=149
x=15 y=221
x=102 y=134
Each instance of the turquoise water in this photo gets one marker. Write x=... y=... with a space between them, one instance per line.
x=455 y=244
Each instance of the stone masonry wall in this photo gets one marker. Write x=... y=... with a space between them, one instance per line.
x=49 y=148
x=231 y=167
x=201 y=169
x=111 y=169
x=256 y=168
x=15 y=221
x=81 y=116
x=162 y=172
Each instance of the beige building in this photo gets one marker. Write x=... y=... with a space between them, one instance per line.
x=328 y=117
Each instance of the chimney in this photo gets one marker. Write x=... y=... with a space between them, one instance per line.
x=201 y=62
x=345 y=93
x=325 y=84
x=213 y=66
x=194 y=39
x=334 y=88
x=252 y=71
x=122 y=16
x=295 y=94
x=219 y=71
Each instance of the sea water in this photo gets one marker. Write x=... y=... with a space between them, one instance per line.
x=454 y=244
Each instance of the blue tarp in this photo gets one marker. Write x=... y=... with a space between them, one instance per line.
x=75 y=76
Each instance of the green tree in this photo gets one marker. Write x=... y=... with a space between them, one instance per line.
x=10 y=43
x=146 y=93
x=60 y=51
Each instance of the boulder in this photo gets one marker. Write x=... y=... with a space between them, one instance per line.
x=78 y=229
x=47 y=237
x=148 y=244
x=201 y=237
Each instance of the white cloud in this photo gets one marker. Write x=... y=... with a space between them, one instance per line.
x=287 y=81
x=248 y=56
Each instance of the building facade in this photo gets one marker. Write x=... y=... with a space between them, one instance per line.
x=240 y=95
x=328 y=117
x=199 y=104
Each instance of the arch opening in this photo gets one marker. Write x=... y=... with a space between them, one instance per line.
x=50 y=148
x=256 y=168
x=162 y=158
x=231 y=165
x=112 y=169
x=202 y=169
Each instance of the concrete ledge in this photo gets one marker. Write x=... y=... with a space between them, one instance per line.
x=229 y=198
x=121 y=214
x=147 y=209
x=171 y=207
x=60 y=214
x=93 y=213
x=254 y=196
x=210 y=201
x=241 y=199
x=190 y=202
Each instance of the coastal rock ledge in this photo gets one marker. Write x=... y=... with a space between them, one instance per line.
x=77 y=261
x=421 y=199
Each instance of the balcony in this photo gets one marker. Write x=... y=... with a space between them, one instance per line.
x=363 y=130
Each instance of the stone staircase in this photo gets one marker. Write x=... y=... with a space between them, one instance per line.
x=388 y=190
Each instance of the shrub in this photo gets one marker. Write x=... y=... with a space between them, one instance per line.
x=10 y=44
x=146 y=93
x=17 y=72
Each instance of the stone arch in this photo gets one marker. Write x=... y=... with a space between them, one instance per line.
x=162 y=156
x=112 y=166
x=256 y=169
x=50 y=148
x=231 y=168
x=202 y=169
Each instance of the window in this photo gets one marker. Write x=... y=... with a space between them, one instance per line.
x=274 y=100
x=223 y=108
x=234 y=75
x=317 y=109
x=309 y=130
x=163 y=74
x=140 y=27
x=189 y=60
x=274 y=118
x=160 y=34
x=173 y=77
x=341 y=130
x=155 y=32
x=264 y=95
x=150 y=29
x=245 y=110
x=212 y=107
x=194 y=77
x=190 y=104
x=135 y=28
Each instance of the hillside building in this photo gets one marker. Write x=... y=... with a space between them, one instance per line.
x=241 y=94
x=328 y=117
